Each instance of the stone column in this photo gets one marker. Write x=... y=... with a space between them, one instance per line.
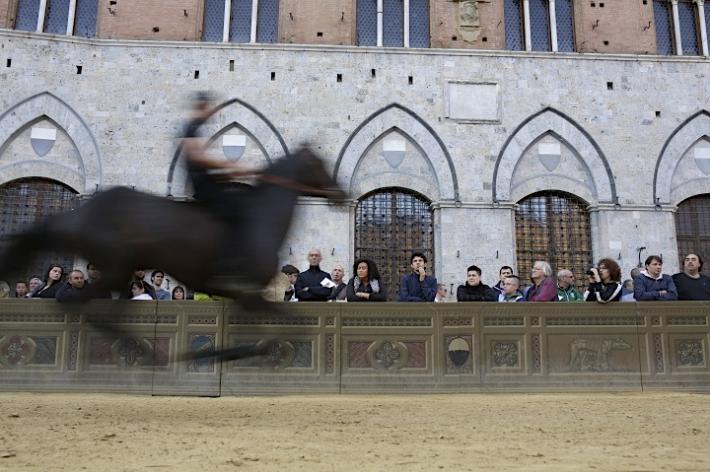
x=619 y=233
x=330 y=228
x=472 y=233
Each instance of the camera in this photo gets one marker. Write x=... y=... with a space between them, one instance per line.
x=590 y=272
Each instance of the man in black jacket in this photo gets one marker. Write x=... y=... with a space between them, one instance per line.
x=74 y=289
x=309 y=287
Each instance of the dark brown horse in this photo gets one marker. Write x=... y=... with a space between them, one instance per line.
x=231 y=250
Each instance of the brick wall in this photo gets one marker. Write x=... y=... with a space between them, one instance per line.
x=7 y=13
x=150 y=19
x=317 y=21
x=619 y=26
x=446 y=31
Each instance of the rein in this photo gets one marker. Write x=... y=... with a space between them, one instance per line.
x=292 y=184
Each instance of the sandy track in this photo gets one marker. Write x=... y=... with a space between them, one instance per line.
x=550 y=432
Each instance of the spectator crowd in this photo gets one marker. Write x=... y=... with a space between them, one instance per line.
x=604 y=284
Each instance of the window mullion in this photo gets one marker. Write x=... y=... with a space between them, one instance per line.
x=526 y=25
x=553 y=26
x=703 y=27
x=380 y=14
x=254 y=14
x=676 y=27
x=225 y=23
x=41 y=14
x=70 y=17
x=405 y=28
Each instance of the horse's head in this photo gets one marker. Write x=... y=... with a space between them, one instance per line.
x=309 y=176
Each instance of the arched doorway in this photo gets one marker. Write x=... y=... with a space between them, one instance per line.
x=24 y=202
x=390 y=224
x=553 y=227
x=693 y=228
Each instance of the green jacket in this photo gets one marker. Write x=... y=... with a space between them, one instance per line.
x=569 y=295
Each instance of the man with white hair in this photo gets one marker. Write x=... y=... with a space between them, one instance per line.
x=566 y=291
x=543 y=288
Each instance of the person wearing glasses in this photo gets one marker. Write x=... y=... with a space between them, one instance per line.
x=604 y=282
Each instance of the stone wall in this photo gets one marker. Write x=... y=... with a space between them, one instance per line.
x=350 y=348
x=179 y=20
x=472 y=121
x=7 y=13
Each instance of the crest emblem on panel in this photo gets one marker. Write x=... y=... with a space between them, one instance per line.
x=459 y=351
x=42 y=140
x=550 y=155
x=702 y=157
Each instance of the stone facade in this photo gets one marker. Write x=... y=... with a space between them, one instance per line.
x=474 y=124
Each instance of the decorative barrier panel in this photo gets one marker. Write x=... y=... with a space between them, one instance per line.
x=338 y=347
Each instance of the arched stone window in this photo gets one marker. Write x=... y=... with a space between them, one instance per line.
x=693 y=229
x=24 y=202
x=390 y=224
x=553 y=227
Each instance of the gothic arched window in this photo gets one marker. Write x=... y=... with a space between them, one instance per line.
x=390 y=224
x=693 y=229
x=554 y=227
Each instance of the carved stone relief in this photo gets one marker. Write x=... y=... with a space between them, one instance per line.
x=505 y=354
x=592 y=355
x=388 y=355
x=690 y=352
x=470 y=19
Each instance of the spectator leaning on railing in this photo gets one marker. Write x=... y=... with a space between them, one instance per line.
x=604 y=285
x=543 y=288
x=691 y=284
x=652 y=284
x=473 y=290
x=366 y=285
x=566 y=291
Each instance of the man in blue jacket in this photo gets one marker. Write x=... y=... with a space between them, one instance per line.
x=417 y=286
x=652 y=284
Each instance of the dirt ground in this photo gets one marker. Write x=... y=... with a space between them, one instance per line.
x=546 y=432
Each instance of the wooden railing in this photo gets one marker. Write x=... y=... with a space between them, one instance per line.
x=366 y=347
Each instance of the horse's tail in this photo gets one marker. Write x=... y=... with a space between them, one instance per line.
x=16 y=250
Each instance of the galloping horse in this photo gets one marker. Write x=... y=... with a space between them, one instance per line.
x=225 y=251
